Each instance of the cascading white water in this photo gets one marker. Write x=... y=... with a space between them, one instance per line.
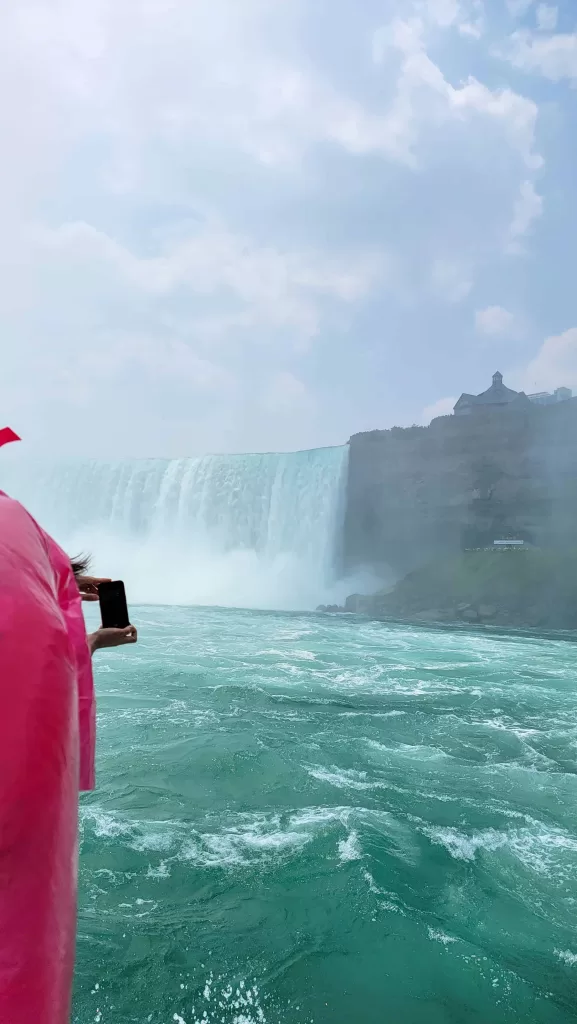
x=243 y=530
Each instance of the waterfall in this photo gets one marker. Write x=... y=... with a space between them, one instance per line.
x=240 y=530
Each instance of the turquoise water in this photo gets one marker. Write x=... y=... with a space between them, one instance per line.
x=313 y=819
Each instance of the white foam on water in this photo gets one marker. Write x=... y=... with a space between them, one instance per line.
x=237 y=850
x=463 y=847
x=390 y=904
x=246 y=840
x=308 y=816
x=161 y=870
x=274 y=652
x=439 y=936
x=155 y=842
x=371 y=883
x=104 y=823
x=350 y=848
x=136 y=908
x=413 y=751
x=567 y=957
x=548 y=852
x=372 y=714
x=223 y=1002
x=250 y=839
x=342 y=778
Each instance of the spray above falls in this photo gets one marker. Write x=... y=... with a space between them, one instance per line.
x=244 y=530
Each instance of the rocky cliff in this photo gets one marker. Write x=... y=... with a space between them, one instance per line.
x=527 y=588
x=417 y=495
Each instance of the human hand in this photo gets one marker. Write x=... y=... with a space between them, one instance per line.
x=88 y=586
x=111 y=637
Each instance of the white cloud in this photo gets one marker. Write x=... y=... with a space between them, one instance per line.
x=184 y=70
x=442 y=407
x=528 y=208
x=518 y=8
x=125 y=352
x=180 y=71
x=153 y=331
x=494 y=321
x=164 y=165
x=286 y=394
x=547 y=18
x=426 y=100
x=443 y=12
x=187 y=317
x=552 y=56
x=555 y=365
x=474 y=29
x=177 y=71
x=450 y=281
x=465 y=15
x=276 y=288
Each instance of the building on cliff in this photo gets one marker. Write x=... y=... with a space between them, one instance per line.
x=497 y=396
x=544 y=398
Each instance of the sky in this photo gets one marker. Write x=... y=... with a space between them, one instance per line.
x=254 y=225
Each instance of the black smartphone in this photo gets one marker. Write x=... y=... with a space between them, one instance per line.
x=113 y=606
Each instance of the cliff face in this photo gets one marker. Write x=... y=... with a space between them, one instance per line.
x=418 y=494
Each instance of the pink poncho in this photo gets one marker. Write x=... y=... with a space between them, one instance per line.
x=47 y=733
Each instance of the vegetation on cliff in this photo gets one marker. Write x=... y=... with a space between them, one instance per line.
x=525 y=588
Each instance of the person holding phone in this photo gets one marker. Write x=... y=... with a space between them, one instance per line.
x=105 y=636
x=47 y=747
x=47 y=736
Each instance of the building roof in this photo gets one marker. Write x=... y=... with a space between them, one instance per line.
x=497 y=394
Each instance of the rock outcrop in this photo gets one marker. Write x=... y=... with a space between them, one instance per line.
x=422 y=494
x=531 y=589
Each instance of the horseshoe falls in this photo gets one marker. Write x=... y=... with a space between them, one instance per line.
x=255 y=531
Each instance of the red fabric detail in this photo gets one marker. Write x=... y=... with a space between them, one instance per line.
x=39 y=764
x=7 y=435
x=70 y=604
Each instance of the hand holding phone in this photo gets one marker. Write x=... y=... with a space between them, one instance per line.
x=103 y=638
x=88 y=586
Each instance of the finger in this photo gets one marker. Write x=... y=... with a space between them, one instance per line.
x=89 y=597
